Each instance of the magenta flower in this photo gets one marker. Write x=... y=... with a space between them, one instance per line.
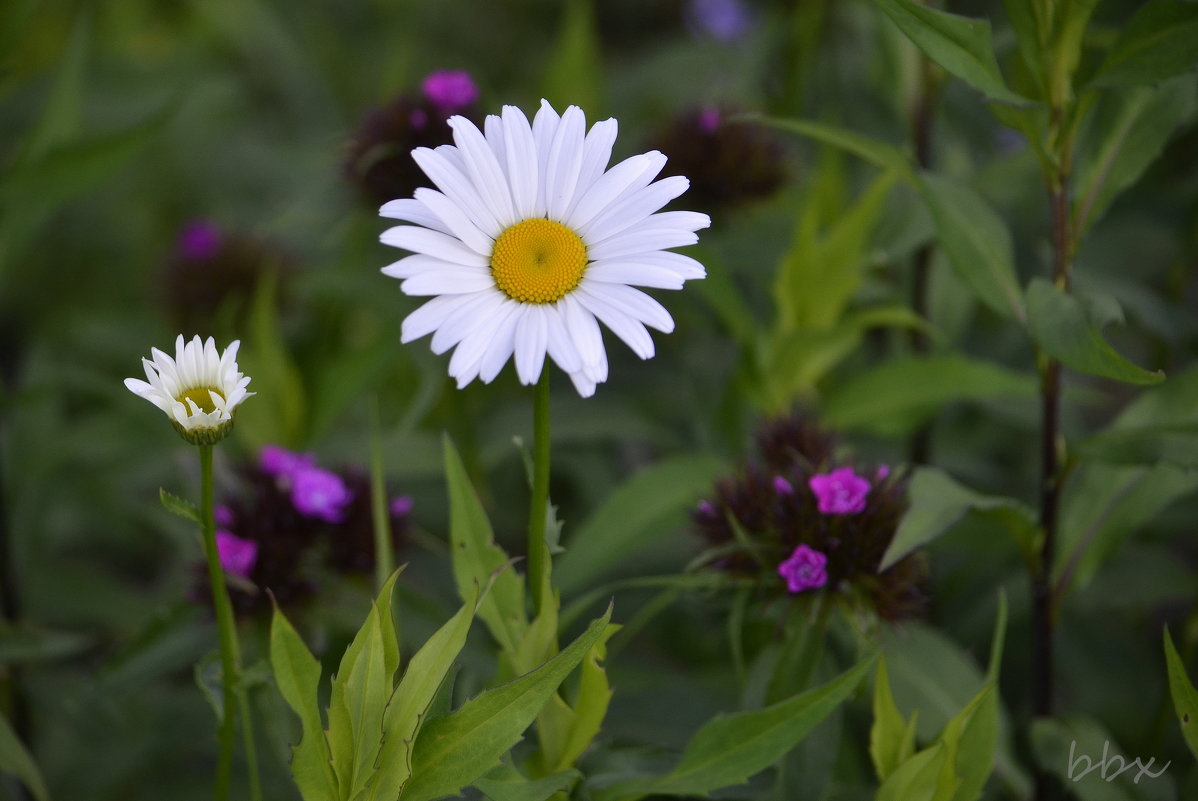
x=319 y=493
x=804 y=570
x=237 y=556
x=841 y=492
x=282 y=463
x=449 y=91
x=708 y=119
x=782 y=486
x=198 y=241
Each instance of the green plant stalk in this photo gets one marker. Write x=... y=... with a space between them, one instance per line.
x=384 y=554
x=538 y=512
x=251 y=748
x=225 y=626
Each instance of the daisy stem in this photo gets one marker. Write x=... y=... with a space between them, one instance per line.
x=225 y=625
x=538 y=513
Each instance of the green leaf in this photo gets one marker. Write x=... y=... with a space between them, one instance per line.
x=959 y=44
x=179 y=506
x=1074 y=750
x=454 y=751
x=1157 y=44
x=891 y=739
x=476 y=558
x=1185 y=697
x=900 y=393
x=937 y=503
x=565 y=730
x=209 y=677
x=410 y=702
x=58 y=122
x=1024 y=17
x=631 y=517
x=730 y=749
x=279 y=412
x=25 y=644
x=918 y=778
x=297 y=675
x=1174 y=444
x=1058 y=324
x=976 y=241
x=15 y=760
x=506 y=783
x=574 y=69
x=1129 y=131
x=880 y=154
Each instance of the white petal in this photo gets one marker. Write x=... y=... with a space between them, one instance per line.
x=606 y=189
x=468 y=317
x=493 y=132
x=584 y=385
x=414 y=265
x=483 y=169
x=635 y=208
x=456 y=220
x=428 y=317
x=523 y=169
x=636 y=241
x=443 y=167
x=685 y=266
x=467 y=357
x=584 y=330
x=413 y=211
x=559 y=342
x=530 y=344
x=596 y=153
x=432 y=243
x=451 y=281
x=636 y=303
x=622 y=325
x=634 y=274
x=544 y=128
x=502 y=337
x=565 y=160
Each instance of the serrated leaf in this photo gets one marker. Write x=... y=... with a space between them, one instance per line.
x=454 y=751
x=15 y=760
x=1156 y=44
x=506 y=783
x=179 y=506
x=297 y=675
x=976 y=241
x=1058 y=324
x=937 y=502
x=629 y=518
x=896 y=395
x=410 y=702
x=1185 y=697
x=962 y=45
x=476 y=558
x=731 y=748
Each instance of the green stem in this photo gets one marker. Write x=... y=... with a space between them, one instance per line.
x=538 y=512
x=225 y=625
x=384 y=554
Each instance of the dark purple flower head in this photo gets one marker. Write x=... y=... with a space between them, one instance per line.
x=782 y=486
x=237 y=556
x=841 y=492
x=401 y=506
x=804 y=570
x=449 y=91
x=282 y=463
x=320 y=493
x=199 y=240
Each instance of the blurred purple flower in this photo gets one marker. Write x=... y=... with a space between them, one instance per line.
x=319 y=493
x=401 y=506
x=841 y=492
x=804 y=570
x=282 y=463
x=725 y=20
x=198 y=240
x=449 y=91
x=237 y=556
x=782 y=486
x=708 y=119
x=223 y=516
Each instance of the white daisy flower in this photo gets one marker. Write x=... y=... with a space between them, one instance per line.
x=531 y=242
x=199 y=389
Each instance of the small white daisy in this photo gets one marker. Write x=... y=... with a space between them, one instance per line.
x=531 y=242
x=199 y=389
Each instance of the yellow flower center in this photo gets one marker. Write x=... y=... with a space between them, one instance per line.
x=538 y=261
x=201 y=397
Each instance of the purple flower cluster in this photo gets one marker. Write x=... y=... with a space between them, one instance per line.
x=288 y=518
x=815 y=521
